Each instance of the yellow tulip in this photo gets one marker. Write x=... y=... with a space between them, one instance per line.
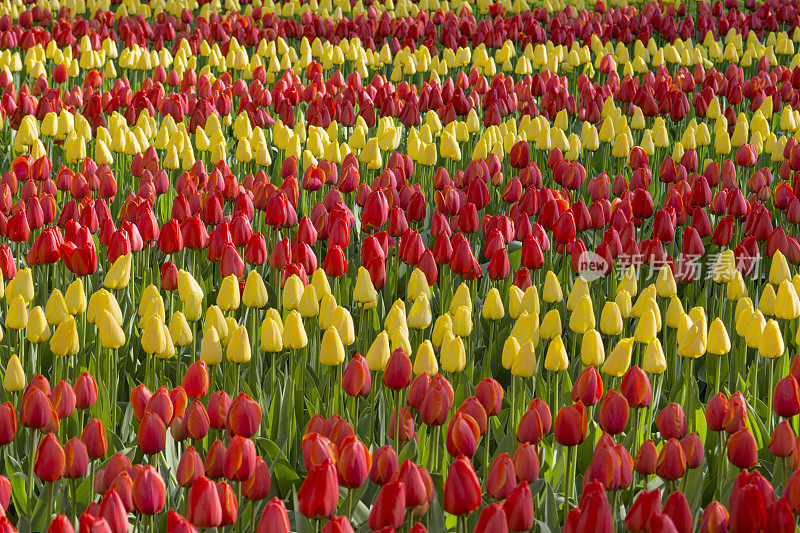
x=654 y=361
x=493 y=305
x=619 y=360
x=524 y=364
x=110 y=333
x=593 y=353
x=623 y=301
x=343 y=322
x=229 y=298
x=771 y=344
x=294 y=333
x=646 y=329
x=552 y=288
x=443 y=325
x=364 y=292
x=530 y=300
x=425 y=361
x=378 y=353
x=56 y=308
x=75 y=298
x=179 y=330
x=292 y=293
x=556 y=359
x=461 y=298
x=21 y=285
x=37 y=330
x=611 y=319
x=582 y=318
x=579 y=291
x=755 y=329
x=787 y=304
x=453 y=357
x=665 y=283
x=779 y=269
x=65 y=341
x=718 y=341
x=271 y=336
x=510 y=351
x=515 y=296
x=119 y=275
x=766 y=304
x=239 y=346
x=693 y=344
x=551 y=325
x=417 y=285
x=320 y=282
x=462 y=322
x=14 y=379
x=420 y=316
x=211 y=348
x=255 y=291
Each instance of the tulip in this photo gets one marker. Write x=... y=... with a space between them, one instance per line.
x=782 y=443
x=274 y=518
x=571 y=425
x=319 y=494
x=645 y=504
x=671 y=464
x=384 y=465
x=677 y=509
x=389 y=507
x=593 y=512
x=113 y=511
x=94 y=437
x=742 y=450
x=190 y=467
x=463 y=434
x=76 y=459
x=613 y=413
x=353 y=461
x=50 y=461
x=203 y=507
x=149 y=491
x=244 y=416
x=501 y=477
x=492 y=519
x=671 y=422
x=715 y=519
x=462 y=492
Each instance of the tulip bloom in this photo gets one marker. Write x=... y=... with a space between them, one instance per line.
x=319 y=494
x=462 y=492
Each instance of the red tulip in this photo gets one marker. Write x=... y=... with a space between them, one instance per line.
x=240 y=459
x=571 y=425
x=8 y=423
x=389 y=507
x=228 y=503
x=113 y=511
x=190 y=467
x=319 y=494
x=94 y=437
x=462 y=492
x=671 y=464
x=384 y=465
x=490 y=394
x=149 y=491
x=195 y=380
x=76 y=459
x=644 y=506
x=742 y=449
x=671 y=422
x=50 y=461
x=677 y=509
x=244 y=416
x=492 y=519
x=715 y=519
x=593 y=513
x=353 y=461
x=257 y=487
x=716 y=410
x=588 y=388
x=85 y=391
x=786 y=397
x=613 y=413
x=526 y=462
x=203 y=508
x=635 y=387
x=463 y=435
x=356 y=378
x=152 y=435
x=274 y=519
x=783 y=442
x=519 y=508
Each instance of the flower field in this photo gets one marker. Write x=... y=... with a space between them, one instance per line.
x=383 y=265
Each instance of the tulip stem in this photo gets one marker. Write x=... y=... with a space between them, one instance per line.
x=487 y=439
x=770 y=394
x=568 y=469
x=74 y=499
x=29 y=501
x=50 y=501
x=397 y=421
